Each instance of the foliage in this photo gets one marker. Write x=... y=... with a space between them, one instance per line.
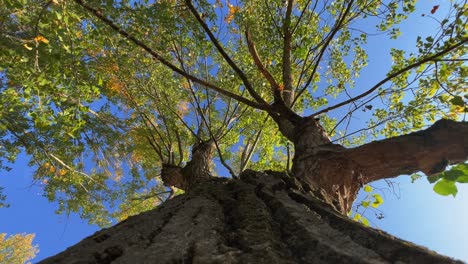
x=100 y=94
x=445 y=181
x=371 y=201
x=17 y=249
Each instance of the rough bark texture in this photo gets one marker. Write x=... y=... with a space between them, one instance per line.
x=197 y=170
x=429 y=151
x=265 y=217
x=336 y=174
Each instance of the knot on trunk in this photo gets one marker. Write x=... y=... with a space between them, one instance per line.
x=172 y=176
x=194 y=172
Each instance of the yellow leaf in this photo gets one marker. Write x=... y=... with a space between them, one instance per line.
x=40 y=38
x=367 y=188
x=27 y=47
x=357 y=217
x=232 y=10
x=182 y=108
x=17 y=248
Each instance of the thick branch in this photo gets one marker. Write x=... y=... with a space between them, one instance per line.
x=429 y=151
x=194 y=172
x=263 y=70
x=287 y=39
x=160 y=58
x=336 y=174
x=172 y=175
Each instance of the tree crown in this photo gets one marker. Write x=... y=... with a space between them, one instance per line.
x=101 y=95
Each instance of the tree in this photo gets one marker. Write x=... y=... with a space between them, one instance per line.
x=112 y=98
x=17 y=249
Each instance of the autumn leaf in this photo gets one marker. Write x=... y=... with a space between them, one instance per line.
x=434 y=9
x=183 y=108
x=232 y=10
x=186 y=85
x=27 y=47
x=17 y=248
x=40 y=38
x=116 y=86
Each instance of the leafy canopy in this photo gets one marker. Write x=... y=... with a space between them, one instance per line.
x=17 y=249
x=100 y=94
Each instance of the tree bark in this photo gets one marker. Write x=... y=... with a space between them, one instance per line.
x=336 y=174
x=265 y=217
x=196 y=171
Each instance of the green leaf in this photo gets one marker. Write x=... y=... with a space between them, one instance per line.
x=462 y=167
x=463 y=179
x=457 y=100
x=367 y=188
x=445 y=187
x=365 y=204
x=457 y=173
x=434 y=178
x=462 y=170
x=378 y=200
x=364 y=221
x=357 y=217
x=415 y=177
x=452 y=175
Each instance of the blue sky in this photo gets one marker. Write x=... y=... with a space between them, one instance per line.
x=416 y=214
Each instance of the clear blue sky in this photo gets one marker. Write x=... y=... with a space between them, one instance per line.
x=417 y=214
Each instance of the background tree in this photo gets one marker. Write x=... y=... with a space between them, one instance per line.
x=17 y=249
x=111 y=98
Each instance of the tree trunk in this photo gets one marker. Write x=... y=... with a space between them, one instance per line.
x=264 y=217
x=196 y=171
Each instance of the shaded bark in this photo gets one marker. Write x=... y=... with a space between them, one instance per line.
x=196 y=171
x=265 y=217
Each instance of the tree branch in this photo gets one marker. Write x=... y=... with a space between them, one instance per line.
x=287 y=39
x=329 y=38
x=167 y=63
x=275 y=89
x=393 y=75
x=223 y=53
x=429 y=151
